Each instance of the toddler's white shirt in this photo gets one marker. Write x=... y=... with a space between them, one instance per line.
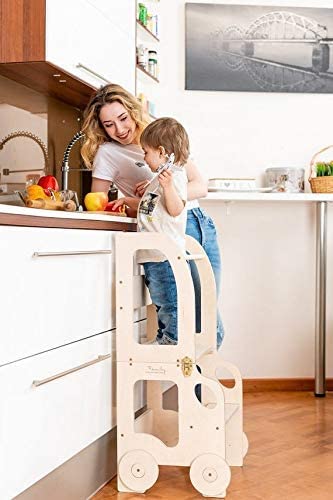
x=153 y=216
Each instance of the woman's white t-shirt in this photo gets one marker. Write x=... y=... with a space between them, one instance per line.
x=116 y=163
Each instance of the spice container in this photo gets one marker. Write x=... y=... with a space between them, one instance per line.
x=152 y=63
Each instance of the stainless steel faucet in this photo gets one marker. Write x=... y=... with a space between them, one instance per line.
x=65 y=169
x=30 y=135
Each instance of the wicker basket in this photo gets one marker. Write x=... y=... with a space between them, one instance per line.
x=322 y=184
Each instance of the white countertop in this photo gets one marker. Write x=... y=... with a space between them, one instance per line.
x=61 y=214
x=253 y=196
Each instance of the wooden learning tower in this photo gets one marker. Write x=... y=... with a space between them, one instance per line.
x=204 y=432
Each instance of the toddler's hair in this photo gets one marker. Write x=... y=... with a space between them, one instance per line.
x=169 y=134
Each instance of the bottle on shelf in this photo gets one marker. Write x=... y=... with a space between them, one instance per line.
x=152 y=63
x=142 y=14
x=142 y=56
x=143 y=100
x=149 y=19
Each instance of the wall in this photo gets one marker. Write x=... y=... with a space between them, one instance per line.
x=21 y=109
x=268 y=293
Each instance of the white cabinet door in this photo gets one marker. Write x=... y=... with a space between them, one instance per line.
x=49 y=301
x=83 y=39
x=122 y=13
x=55 y=404
x=43 y=426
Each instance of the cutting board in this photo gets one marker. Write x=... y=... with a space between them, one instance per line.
x=103 y=212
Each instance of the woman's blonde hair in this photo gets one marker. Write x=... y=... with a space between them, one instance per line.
x=169 y=134
x=93 y=129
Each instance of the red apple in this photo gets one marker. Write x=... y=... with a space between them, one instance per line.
x=48 y=182
x=96 y=201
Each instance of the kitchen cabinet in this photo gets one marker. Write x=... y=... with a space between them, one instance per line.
x=55 y=404
x=68 y=49
x=44 y=425
x=95 y=41
x=57 y=348
x=53 y=299
x=57 y=288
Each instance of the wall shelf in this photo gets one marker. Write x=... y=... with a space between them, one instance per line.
x=147 y=32
x=143 y=71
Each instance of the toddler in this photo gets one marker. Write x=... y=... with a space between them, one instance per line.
x=162 y=210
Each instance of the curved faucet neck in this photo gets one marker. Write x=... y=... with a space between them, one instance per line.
x=30 y=135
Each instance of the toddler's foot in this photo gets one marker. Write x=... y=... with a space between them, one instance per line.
x=150 y=342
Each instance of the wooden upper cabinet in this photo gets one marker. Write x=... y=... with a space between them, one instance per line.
x=22 y=33
x=68 y=48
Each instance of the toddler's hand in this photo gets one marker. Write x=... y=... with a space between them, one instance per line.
x=165 y=179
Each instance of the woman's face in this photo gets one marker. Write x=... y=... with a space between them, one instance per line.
x=118 y=123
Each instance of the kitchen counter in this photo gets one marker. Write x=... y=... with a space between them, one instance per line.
x=321 y=200
x=33 y=217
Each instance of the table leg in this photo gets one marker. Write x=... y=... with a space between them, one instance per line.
x=321 y=250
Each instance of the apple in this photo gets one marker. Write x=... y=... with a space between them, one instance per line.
x=48 y=182
x=96 y=201
x=110 y=208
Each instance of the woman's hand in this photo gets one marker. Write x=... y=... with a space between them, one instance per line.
x=117 y=203
x=197 y=186
x=140 y=188
x=130 y=203
x=165 y=179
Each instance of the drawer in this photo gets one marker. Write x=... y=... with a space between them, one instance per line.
x=44 y=425
x=63 y=295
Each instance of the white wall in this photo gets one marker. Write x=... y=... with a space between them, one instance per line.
x=268 y=249
x=21 y=153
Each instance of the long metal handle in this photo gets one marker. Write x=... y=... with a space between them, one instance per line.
x=80 y=252
x=321 y=260
x=79 y=65
x=101 y=357
x=6 y=171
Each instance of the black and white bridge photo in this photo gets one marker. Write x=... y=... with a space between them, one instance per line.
x=258 y=48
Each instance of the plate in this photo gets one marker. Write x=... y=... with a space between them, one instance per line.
x=253 y=190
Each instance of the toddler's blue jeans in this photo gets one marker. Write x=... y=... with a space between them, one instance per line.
x=161 y=283
x=201 y=227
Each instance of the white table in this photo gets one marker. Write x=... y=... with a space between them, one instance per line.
x=321 y=201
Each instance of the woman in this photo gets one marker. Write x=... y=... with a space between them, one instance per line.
x=113 y=123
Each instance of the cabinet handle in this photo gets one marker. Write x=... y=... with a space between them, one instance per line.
x=79 y=65
x=79 y=252
x=101 y=357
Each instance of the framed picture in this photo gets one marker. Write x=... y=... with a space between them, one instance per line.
x=259 y=48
